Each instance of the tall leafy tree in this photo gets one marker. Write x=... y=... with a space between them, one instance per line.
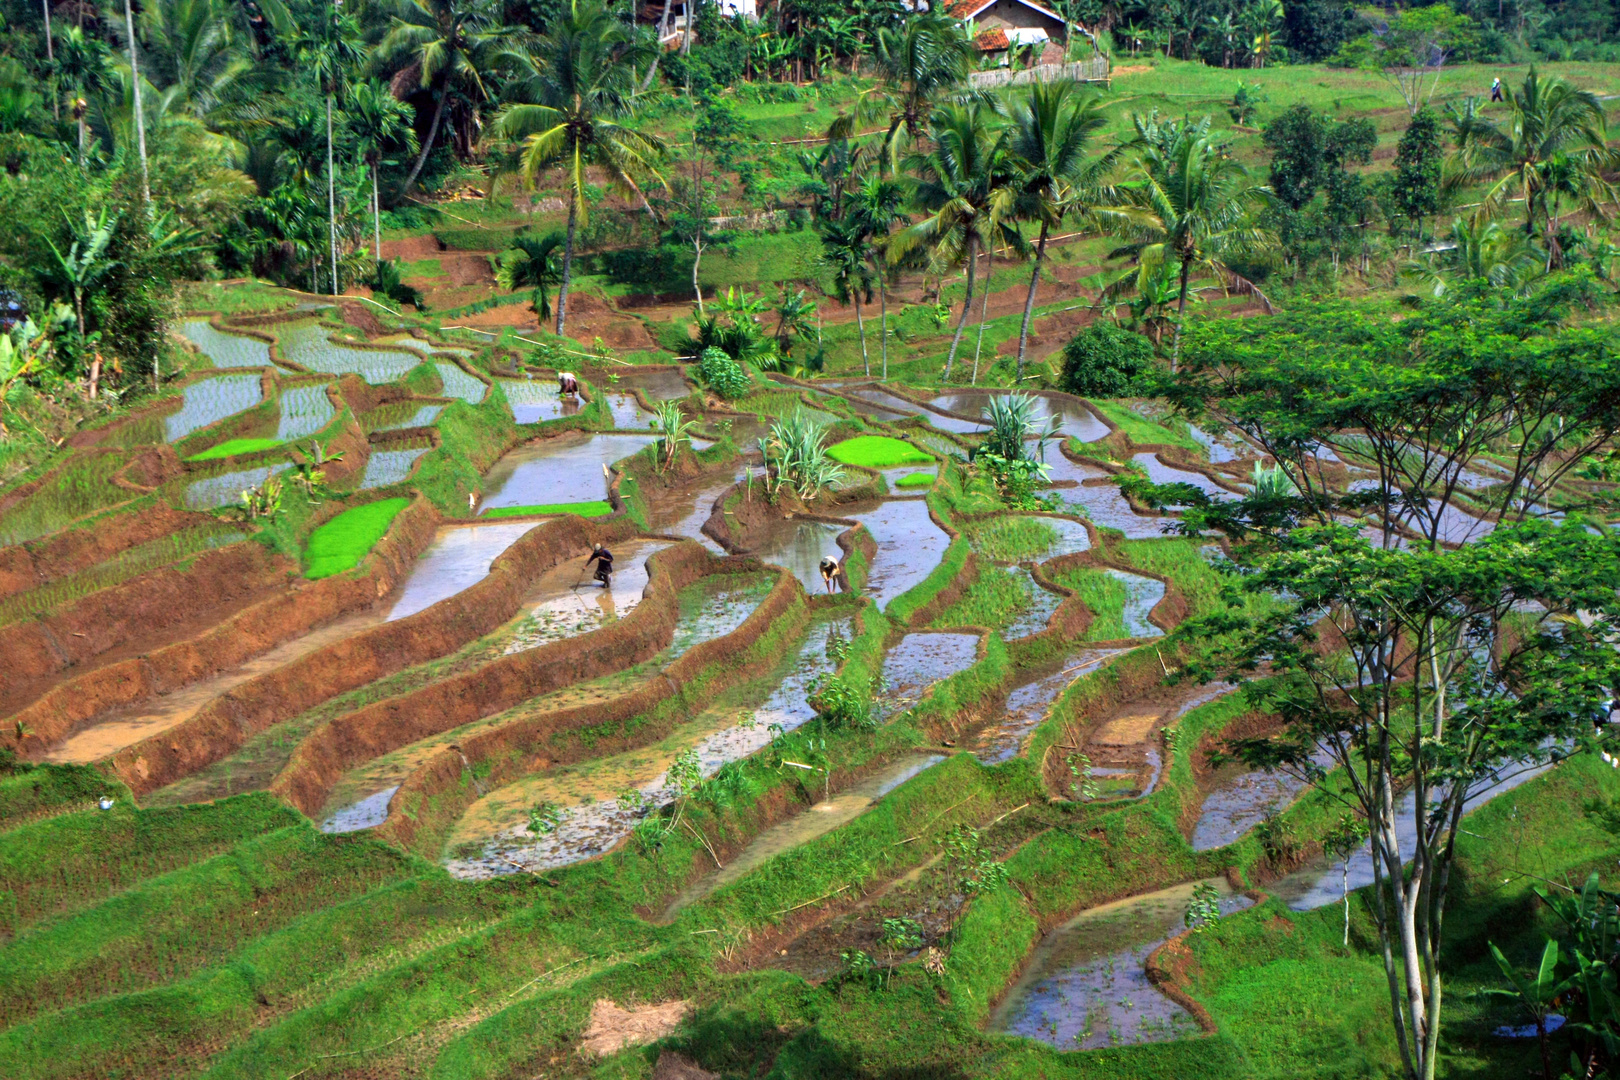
x=446 y=46
x=578 y=94
x=193 y=47
x=877 y=207
x=1053 y=127
x=1188 y=203
x=328 y=47
x=919 y=66
x=84 y=63
x=1554 y=133
x=845 y=247
x=1447 y=669
x=377 y=120
x=1415 y=189
x=955 y=186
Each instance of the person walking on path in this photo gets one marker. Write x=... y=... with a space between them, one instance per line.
x=1496 y=89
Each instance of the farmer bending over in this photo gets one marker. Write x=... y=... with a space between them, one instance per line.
x=567 y=384
x=604 y=564
x=830 y=571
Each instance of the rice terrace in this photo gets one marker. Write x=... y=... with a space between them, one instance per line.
x=793 y=540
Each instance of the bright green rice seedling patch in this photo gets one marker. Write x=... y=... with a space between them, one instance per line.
x=877 y=452
x=915 y=480
x=342 y=542
x=1011 y=538
x=236 y=446
x=1105 y=595
x=597 y=508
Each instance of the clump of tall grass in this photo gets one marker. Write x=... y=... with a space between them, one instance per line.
x=1011 y=418
x=796 y=456
x=675 y=428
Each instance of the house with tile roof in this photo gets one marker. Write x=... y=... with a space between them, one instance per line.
x=999 y=25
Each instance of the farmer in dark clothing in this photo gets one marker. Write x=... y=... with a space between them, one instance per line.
x=830 y=571
x=1496 y=89
x=604 y=564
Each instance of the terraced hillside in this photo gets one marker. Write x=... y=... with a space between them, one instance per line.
x=332 y=761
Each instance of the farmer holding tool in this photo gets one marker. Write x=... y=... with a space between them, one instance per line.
x=830 y=571
x=604 y=564
x=567 y=384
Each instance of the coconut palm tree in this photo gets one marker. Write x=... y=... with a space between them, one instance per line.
x=580 y=89
x=327 y=48
x=1188 y=203
x=1052 y=130
x=532 y=263
x=1480 y=249
x=378 y=120
x=956 y=184
x=446 y=45
x=918 y=67
x=192 y=47
x=844 y=251
x=877 y=206
x=1547 y=118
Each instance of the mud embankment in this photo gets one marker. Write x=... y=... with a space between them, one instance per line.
x=70 y=706
x=40 y=562
x=435 y=796
x=145 y=613
x=221 y=727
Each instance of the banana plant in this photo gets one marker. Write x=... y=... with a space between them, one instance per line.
x=1537 y=994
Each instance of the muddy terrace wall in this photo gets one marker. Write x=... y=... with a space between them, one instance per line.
x=40 y=562
x=222 y=726
x=257 y=629
x=437 y=793
x=141 y=611
x=355 y=737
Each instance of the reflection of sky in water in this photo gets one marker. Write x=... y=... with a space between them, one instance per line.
x=1087 y=988
x=308 y=345
x=918 y=662
x=226 y=489
x=1027 y=705
x=566 y=469
x=1160 y=473
x=368 y=813
x=1142 y=595
x=909 y=546
x=1075 y=419
x=1036 y=612
x=533 y=400
x=458 y=558
x=800 y=548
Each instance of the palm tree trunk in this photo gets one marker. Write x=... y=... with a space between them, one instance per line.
x=866 y=363
x=50 y=58
x=140 y=120
x=1029 y=301
x=376 y=214
x=984 y=309
x=568 y=258
x=427 y=143
x=1181 y=314
x=967 y=303
x=883 y=307
x=697 y=290
x=331 y=197
x=663 y=28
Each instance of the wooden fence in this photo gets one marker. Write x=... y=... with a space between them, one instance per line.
x=1093 y=70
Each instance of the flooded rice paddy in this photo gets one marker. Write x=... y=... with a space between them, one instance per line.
x=1142 y=595
x=304 y=411
x=208 y=401
x=1074 y=419
x=567 y=468
x=595 y=810
x=535 y=400
x=226 y=350
x=400 y=415
x=1086 y=987
x=909 y=546
x=309 y=345
x=226 y=489
x=386 y=467
x=567 y=602
x=459 y=557
x=1036 y=612
x=917 y=662
x=1028 y=705
x=799 y=546
x=459 y=384
x=1160 y=473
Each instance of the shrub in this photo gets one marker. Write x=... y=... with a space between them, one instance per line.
x=1106 y=361
x=722 y=374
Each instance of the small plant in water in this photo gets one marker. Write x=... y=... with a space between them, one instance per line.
x=1204 y=908
x=634 y=801
x=675 y=430
x=837 y=647
x=841 y=704
x=1082 y=785
x=544 y=818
